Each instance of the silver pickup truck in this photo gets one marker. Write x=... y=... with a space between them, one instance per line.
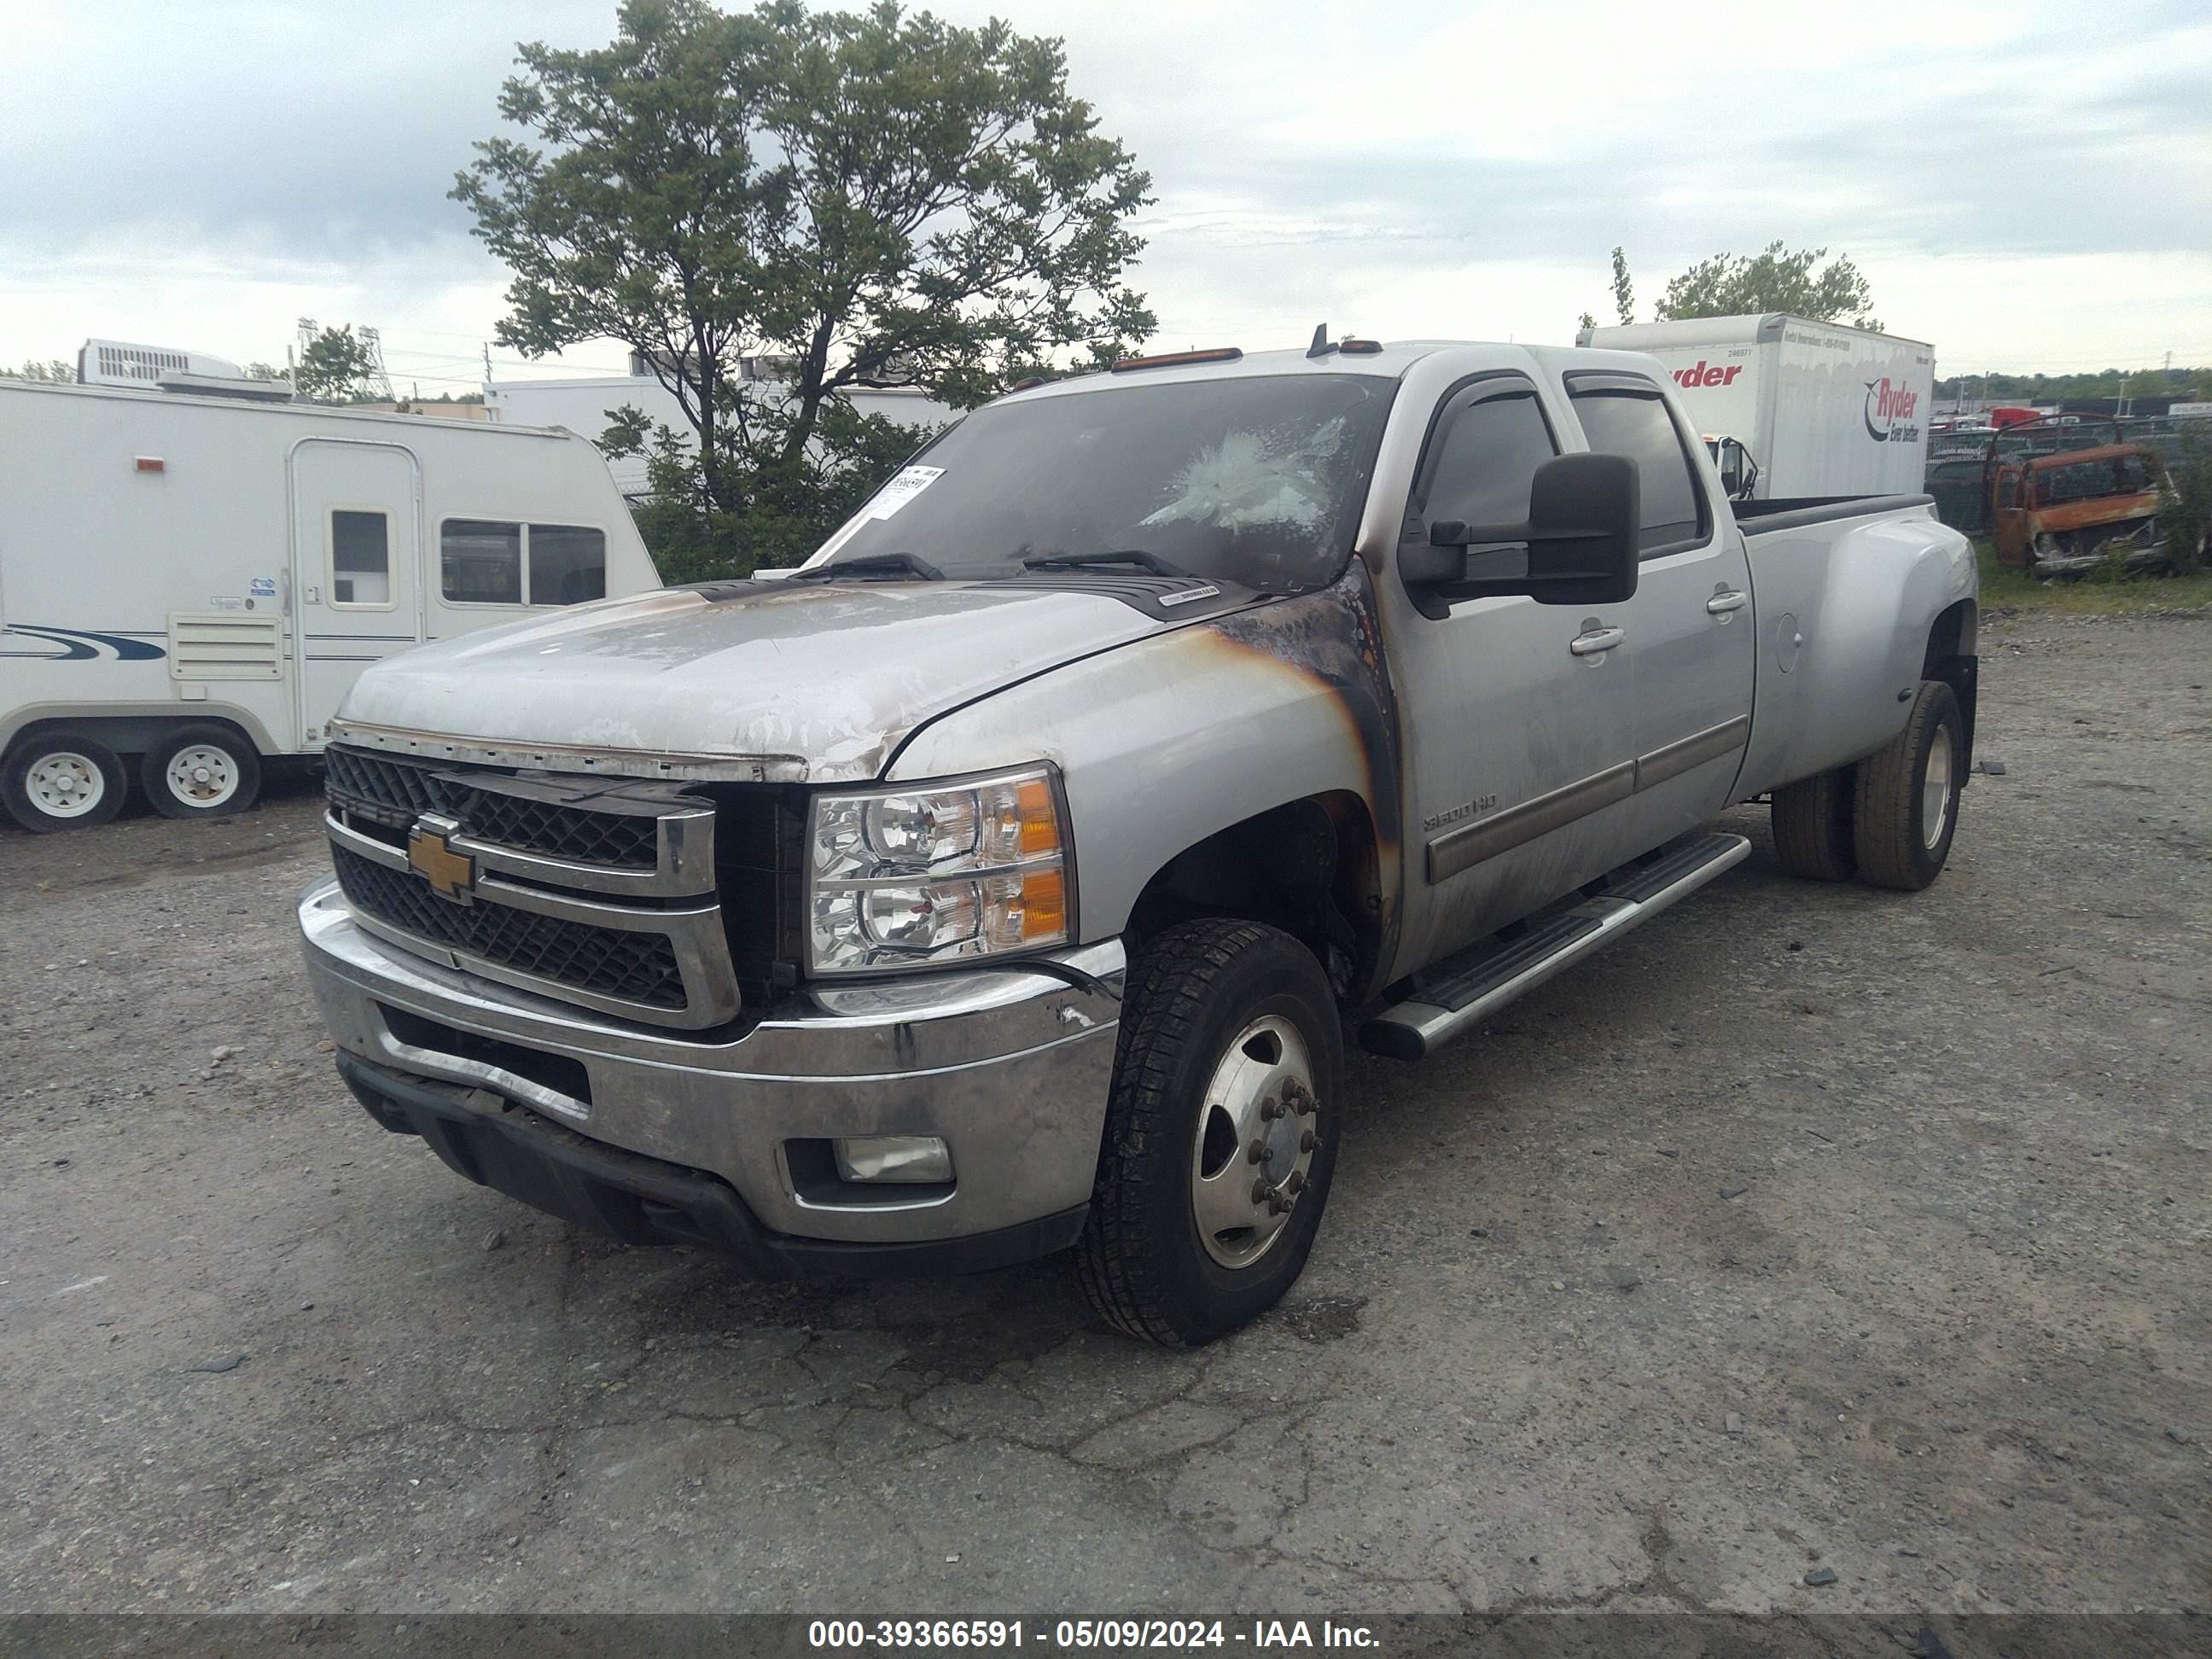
x=1008 y=879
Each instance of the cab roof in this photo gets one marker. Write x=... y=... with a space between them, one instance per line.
x=1391 y=361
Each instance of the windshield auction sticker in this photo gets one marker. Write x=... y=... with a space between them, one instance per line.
x=910 y=483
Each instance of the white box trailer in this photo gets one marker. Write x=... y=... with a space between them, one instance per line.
x=1823 y=409
x=189 y=585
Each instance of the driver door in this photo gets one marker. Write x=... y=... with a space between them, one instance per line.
x=1518 y=715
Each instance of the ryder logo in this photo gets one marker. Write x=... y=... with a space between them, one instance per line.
x=1703 y=374
x=1889 y=412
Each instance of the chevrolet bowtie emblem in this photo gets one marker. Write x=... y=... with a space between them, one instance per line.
x=452 y=875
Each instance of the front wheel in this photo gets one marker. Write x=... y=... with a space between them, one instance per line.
x=1220 y=1135
x=1907 y=805
x=200 y=772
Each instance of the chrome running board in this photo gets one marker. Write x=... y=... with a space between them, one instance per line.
x=1463 y=991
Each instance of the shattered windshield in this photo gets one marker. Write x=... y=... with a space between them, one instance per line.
x=1253 y=480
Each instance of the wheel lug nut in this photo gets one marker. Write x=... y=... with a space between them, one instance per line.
x=1256 y=1153
x=1308 y=1142
x=1261 y=1192
x=1296 y=1184
x=1270 y=1110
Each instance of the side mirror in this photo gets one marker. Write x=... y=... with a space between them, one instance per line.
x=1581 y=534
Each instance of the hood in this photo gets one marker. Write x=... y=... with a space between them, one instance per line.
x=774 y=681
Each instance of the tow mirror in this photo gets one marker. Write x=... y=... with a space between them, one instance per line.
x=1581 y=534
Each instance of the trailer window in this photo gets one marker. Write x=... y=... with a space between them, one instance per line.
x=568 y=564
x=1638 y=425
x=361 y=559
x=480 y=562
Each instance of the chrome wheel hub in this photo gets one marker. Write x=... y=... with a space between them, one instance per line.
x=1936 y=789
x=65 y=784
x=1257 y=1134
x=202 y=775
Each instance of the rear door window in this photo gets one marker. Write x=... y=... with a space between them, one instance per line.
x=1636 y=424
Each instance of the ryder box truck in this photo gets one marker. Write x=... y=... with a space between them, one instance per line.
x=1822 y=410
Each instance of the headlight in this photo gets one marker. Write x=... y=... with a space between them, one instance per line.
x=899 y=878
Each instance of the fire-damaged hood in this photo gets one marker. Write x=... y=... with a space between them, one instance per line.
x=777 y=681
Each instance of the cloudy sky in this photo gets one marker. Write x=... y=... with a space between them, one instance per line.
x=2028 y=185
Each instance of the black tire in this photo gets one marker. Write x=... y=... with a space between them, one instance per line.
x=1812 y=821
x=1890 y=831
x=227 y=779
x=1191 y=992
x=63 y=779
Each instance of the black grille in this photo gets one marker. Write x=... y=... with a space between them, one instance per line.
x=611 y=962
x=396 y=790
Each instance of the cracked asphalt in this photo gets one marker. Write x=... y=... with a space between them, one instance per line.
x=1908 y=1195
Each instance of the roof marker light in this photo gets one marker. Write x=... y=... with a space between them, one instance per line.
x=1360 y=348
x=1169 y=360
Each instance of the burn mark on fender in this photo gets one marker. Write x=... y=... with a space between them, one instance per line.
x=1335 y=637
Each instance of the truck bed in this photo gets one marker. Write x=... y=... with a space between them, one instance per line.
x=1797 y=512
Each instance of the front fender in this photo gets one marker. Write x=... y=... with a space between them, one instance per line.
x=1172 y=739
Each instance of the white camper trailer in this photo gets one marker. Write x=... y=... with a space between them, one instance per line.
x=1823 y=409
x=190 y=584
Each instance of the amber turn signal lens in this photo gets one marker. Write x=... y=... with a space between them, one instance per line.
x=1040 y=824
x=1044 y=905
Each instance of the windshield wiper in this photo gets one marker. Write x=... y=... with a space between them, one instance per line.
x=1136 y=556
x=874 y=564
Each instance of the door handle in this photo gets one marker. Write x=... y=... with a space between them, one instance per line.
x=1597 y=640
x=1721 y=604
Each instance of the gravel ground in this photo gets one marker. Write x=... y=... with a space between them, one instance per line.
x=1810 y=1228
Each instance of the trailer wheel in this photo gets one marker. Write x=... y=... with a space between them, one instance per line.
x=1812 y=821
x=1907 y=809
x=200 y=772
x=1220 y=1135
x=63 y=779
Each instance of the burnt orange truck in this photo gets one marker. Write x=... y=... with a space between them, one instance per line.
x=2061 y=514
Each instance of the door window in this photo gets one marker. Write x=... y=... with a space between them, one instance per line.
x=1480 y=465
x=568 y=564
x=1621 y=422
x=361 y=559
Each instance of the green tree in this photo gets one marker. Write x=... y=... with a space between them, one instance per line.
x=879 y=198
x=1624 y=291
x=53 y=370
x=1734 y=285
x=333 y=366
x=260 y=371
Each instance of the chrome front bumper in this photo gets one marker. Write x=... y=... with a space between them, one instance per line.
x=1010 y=1068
